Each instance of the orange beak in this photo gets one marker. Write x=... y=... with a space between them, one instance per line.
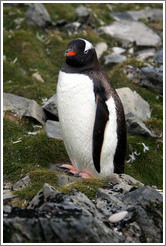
x=71 y=53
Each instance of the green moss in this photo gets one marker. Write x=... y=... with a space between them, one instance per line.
x=59 y=11
x=38 y=178
x=87 y=186
x=148 y=166
x=100 y=12
x=32 y=152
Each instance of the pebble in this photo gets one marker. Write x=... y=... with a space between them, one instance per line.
x=118 y=216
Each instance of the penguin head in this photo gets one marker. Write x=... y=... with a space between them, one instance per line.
x=80 y=52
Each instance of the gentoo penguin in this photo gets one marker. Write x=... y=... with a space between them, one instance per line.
x=91 y=114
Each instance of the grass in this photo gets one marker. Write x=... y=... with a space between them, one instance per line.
x=42 y=51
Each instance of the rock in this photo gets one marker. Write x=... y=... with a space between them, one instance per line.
x=158 y=58
x=114 y=58
x=84 y=17
x=136 y=127
x=147 y=13
x=101 y=48
x=118 y=50
x=72 y=27
x=82 y=13
x=22 y=183
x=134 y=103
x=8 y=196
x=38 y=16
x=130 y=31
x=23 y=107
x=118 y=216
x=144 y=54
x=148 y=77
x=53 y=129
x=48 y=192
x=51 y=108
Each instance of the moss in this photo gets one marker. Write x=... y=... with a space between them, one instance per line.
x=88 y=186
x=60 y=11
x=148 y=166
x=32 y=151
x=38 y=178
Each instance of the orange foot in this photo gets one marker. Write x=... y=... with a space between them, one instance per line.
x=74 y=171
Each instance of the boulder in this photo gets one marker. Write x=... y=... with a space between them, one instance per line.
x=145 y=54
x=101 y=48
x=148 y=77
x=23 y=107
x=22 y=183
x=136 y=127
x=73 y=27
x=114 y=58
x=134 y=103
x=132 y=31
x=50 y=107
x=147 y=13
x=158 y=58
x=53 y=129
x=84 y=17
x=38 y=16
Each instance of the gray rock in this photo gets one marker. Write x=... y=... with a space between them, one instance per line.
x=145 y=54
x=82 y=13
x=147 y=13
x=48 y=192
x=38 y=16
x=115 y=218
x=84 y=17
x=51 y=106
x=101 y=48
x=72 y=27
x=23 y=107
x=22 y=183
x=114 y=58
x=158 y=58
x=118 y=50
x=8 y=196
x=148 y=77
x=136 y=127
x=130 y=31
x=134 y=103
x=53 y=129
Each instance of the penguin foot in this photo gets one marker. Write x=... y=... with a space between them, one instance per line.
x=73 y=170
x=70 y=168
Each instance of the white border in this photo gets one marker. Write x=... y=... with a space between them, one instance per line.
x=163 y=2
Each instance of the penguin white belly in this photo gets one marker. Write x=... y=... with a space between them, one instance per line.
x=77 y=109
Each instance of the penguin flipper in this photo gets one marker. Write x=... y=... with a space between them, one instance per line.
x=101 y=118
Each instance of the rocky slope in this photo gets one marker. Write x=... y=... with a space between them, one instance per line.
x=125 y=211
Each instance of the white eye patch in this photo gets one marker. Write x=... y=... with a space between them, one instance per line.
x=88 y=45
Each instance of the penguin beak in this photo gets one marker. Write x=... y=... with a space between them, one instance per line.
x=69 y=52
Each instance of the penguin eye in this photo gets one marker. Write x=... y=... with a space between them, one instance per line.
x=86 y=51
